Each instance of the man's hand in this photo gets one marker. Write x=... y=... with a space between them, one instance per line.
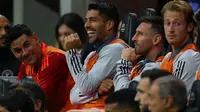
x=72 y=42
x=129 y=54
x=106 y=87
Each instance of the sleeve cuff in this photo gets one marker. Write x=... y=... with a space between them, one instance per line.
x=124 y=66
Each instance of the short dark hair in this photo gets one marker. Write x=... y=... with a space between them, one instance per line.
x=16 y=31
x=157 y=25
x=17 y=100
x=171 y=85
x=35 y=91
x=109 y=11
x=124 y=98
x=154 y=74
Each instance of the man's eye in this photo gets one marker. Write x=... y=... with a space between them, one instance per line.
x=178 y=24
x=17 y=50
x=140 y=33
x=167 y=23
x=26 y=45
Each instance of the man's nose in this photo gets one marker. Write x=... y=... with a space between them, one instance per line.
x=3 y=32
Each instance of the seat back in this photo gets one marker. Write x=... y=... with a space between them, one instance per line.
x=197 y=20
x=194 y=95
x=128 y=28
x=198 y=38
x=147 y=12
x=4 y=86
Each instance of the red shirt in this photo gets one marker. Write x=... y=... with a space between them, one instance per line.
x=53 y=76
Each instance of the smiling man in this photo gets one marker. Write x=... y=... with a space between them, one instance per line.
x=45 y=64
x=101 y=24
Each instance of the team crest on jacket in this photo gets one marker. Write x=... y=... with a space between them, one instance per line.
x=7 y=72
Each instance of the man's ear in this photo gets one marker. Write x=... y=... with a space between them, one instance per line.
x=190 y=27
x=109 y=25
x=38 y=105
x=35 y=36
x=157 y=39
x=169 y=102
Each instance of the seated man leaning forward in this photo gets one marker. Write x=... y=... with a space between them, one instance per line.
x=45 y=64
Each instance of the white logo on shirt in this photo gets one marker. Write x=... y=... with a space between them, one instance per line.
x=7 y=73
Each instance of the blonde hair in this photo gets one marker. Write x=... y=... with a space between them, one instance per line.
x=180 y=6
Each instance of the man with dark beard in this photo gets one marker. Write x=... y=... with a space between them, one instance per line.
x=149 y=42
x=101 y=23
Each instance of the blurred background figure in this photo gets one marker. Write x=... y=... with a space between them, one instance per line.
x=71 y=23
x=4 y=23
x=34 y=91
x=9 y=64
x=2 y=109
x=197 y=17
x=196 y=32
x=194 y=97
x=119 y=28
x=68 y=24
x=17 y=101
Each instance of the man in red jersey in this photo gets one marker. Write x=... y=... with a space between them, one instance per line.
x=45 y=64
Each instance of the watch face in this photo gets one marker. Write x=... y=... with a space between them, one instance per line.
x=7 y=72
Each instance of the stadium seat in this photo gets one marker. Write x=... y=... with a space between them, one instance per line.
x=128 y=28
x=147 y=12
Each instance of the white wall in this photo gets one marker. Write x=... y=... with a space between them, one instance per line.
x=77 y=6
x=41 y=19
x=38 y=17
